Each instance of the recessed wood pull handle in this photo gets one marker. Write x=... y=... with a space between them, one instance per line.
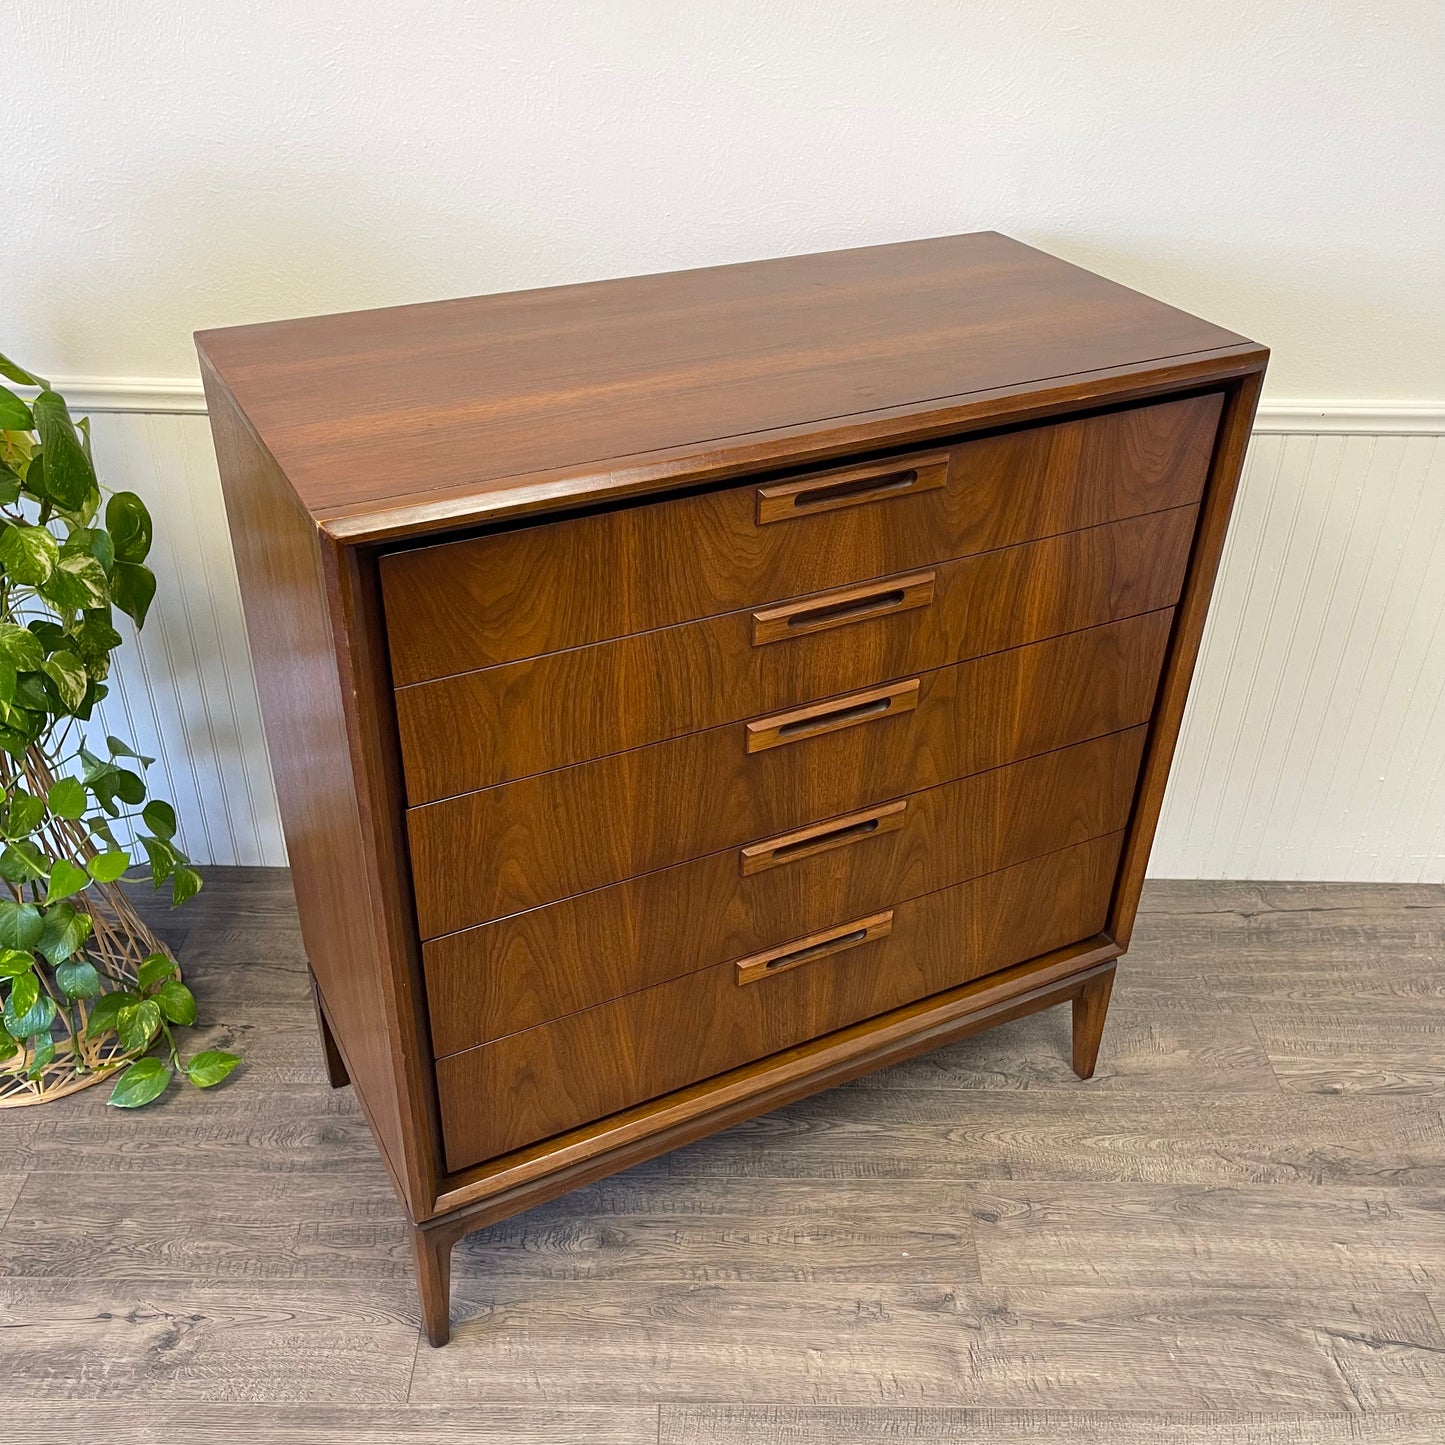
x=814 y=947
x=847 y=605
x=828 y=717
x=820 y=837
x=852 y=486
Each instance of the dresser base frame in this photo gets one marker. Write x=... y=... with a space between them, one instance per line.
x=1082 y=974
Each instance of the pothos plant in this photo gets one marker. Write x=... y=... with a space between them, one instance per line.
x=74 y=960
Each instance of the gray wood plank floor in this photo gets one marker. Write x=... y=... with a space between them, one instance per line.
x=1234 y=1234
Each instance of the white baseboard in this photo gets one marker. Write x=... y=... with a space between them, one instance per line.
x=182 y=394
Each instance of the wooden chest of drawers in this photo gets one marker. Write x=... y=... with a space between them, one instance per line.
x=692 y=691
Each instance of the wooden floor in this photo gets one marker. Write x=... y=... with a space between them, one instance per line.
x=1235 y=1233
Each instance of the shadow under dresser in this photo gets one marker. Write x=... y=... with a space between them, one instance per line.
x=692 y=691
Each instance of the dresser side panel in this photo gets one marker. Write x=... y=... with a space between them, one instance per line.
x=304 y=701
x=1226 y=467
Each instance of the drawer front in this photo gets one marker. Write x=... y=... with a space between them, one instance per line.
x=605 y=1059
x=509 y=595
x=484 y=855
x=537 y=966
x=483 y=728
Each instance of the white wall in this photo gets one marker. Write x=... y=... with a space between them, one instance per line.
x=1276 y=167
x=168 y=165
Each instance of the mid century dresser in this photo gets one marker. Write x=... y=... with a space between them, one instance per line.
x=691 y=691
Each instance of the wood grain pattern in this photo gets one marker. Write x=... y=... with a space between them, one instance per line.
x=502 y=723
x=519 y=593
x=1217 y=1139
x=470 y=395
x=1070 y=1348
x=1025 y=1425
x=606 y=1058
x=854 y=486
x=209 y=1268
x=491 y=853
x=539 y=965
x=1169 y=1234
x=598 y=463
x=306 y=673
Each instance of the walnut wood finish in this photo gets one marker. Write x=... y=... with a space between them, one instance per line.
x=503 y=723
x=853 y=486
x=521 y=401
x=422 y=492
x=516 y=594
x=618 y=1054
x=536 y=966
x=799 y=951
x=488 y=854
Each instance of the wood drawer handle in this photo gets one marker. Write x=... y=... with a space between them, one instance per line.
x=814 y=947
x=844 y=606
x=828 y=717
x=852 y=486
x=820 y=837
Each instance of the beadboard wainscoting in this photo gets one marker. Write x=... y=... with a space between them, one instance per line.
x=1314 y=741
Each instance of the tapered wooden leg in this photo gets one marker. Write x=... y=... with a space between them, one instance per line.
x=432 y=1251
x=335 y=1065
x=1091 y=1008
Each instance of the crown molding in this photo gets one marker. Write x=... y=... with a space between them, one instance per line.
x=181 y=394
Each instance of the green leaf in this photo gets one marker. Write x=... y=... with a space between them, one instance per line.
x=67 y=798
x=78 y=582
x=185 y=884
x=146 y=1079
x=131 y=587
x=29 y=555
x=138 y=1023
x=14 y=962
x=90 y=542
x=48 y=633
x=14 y=414
x=96 y=639
x=23 y=862
x=26 y=811
x=129 y=525
x=66 y=880
x=156 y=967
x=177 y=1002
x=119 y=749
x=78 y=979
x=8 y=1047
x=107 y=867
x=43 y=1053
x=210 y=1066
x=106 y=1011
x=24 y=990
x=20 y=924
x=64 y=930
x=21 y=646
x=162 y=858
x=67 y=672
x=35 y=1020
x=11 y=372
x=160 y=818
x=109 y=783
x=69 y=476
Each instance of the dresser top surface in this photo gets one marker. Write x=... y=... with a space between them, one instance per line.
x=408 y=417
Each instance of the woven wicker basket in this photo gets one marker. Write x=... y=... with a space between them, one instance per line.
x=119 y=943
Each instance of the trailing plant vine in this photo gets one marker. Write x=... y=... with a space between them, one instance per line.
x=75 y=808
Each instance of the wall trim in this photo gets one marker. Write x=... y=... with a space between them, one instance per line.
x=1313 y=418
